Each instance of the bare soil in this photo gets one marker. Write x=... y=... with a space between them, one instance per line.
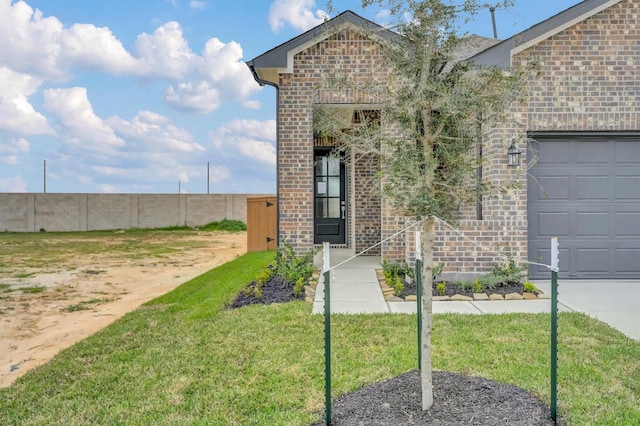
x=91 y=292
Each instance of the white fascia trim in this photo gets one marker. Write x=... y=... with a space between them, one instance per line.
x=556 y=30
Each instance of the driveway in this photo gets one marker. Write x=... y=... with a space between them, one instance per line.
x=616 y=302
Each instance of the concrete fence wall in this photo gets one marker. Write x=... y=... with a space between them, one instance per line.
x=30 y=212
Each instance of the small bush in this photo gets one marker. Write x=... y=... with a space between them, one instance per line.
x=508 y=271
x=226 y=225
x=291 y=266
x=395 y=274
x=478 y=286
x=530 y=287
x=441 y=288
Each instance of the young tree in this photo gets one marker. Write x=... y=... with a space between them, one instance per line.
x=430 y=117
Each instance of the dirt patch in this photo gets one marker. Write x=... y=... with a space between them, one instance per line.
x=45 y=311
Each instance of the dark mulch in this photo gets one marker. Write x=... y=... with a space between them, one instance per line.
x=458 y=400
x=455 y=288
x=275 y=290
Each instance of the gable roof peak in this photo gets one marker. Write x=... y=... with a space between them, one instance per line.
x=266 y=67
x=500 y=55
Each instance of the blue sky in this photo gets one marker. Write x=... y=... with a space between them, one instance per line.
x=137 y=96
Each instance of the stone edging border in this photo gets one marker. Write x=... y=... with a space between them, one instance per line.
x=388 y=293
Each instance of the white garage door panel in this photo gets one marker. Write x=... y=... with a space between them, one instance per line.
x=585 y=189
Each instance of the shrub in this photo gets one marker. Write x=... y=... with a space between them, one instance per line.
x=395 y=274
x=292 y=267
x=478 y=286
x=441 y=288
x=530 y=287
x=508 y=271
x=225 y=225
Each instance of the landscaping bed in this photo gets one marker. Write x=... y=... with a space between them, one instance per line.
x=504 y=282
x=454 y=291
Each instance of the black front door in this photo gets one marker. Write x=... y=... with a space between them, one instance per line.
x=329 y=197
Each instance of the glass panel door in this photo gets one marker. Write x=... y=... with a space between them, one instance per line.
x=330 y=201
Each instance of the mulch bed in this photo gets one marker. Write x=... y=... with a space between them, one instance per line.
x=458 y=400
x=275 y=290
x=454 y=288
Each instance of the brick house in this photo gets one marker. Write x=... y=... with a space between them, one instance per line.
x=579 y=128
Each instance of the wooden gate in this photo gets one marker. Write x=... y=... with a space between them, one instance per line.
x=261 y=223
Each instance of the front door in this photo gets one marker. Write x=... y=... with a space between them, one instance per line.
x=329 y=196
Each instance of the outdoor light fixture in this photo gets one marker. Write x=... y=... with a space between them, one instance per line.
x=513 y=155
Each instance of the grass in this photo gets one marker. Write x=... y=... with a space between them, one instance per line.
x=226 y=225
x=32 y=290
x=183 y=359
x=87 y=304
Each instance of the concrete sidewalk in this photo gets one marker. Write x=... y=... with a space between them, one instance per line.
x=355 y=290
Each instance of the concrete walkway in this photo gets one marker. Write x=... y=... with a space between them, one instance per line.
x=355 y=290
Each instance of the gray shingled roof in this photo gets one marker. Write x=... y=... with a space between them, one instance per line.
x=265 y=68
x=500 y=54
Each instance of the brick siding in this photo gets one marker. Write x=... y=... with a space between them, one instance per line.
x=587 y=80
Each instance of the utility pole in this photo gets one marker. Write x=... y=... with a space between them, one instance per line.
x=493 y=21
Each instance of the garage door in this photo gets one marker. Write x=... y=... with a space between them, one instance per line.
x=585 y=189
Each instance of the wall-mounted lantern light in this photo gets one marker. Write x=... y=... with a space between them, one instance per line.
x=513 y=155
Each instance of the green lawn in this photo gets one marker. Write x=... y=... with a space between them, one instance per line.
x=183 y=359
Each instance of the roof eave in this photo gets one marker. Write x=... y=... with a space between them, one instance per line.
x=279 y=60
x=501 y=54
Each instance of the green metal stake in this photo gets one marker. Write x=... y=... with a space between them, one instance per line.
x=554 y=344
x=327 y=335
x=419 y=295
x=419 y=308
x=554 y=327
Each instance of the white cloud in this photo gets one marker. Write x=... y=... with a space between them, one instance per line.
x=251 y=104
x=80 y=125
x=16 y=113
x=250 y=138
x=9 y=151
x=149 y=133
x=86 y=46
x=165 y=53
x=223 y=64
x=42 y=46
x=30 y=42
x=14 y=184
x=48 y=51
x=264 y=152
x=219 y=174
x=200 y=5
x=297 y=13
x=196 y=97
x=219 y=74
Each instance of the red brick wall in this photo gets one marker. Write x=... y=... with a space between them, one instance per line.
x=588 y=78
x=586 y=81
x=345 y=53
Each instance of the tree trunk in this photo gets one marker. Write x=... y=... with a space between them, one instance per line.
x=429 y=227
